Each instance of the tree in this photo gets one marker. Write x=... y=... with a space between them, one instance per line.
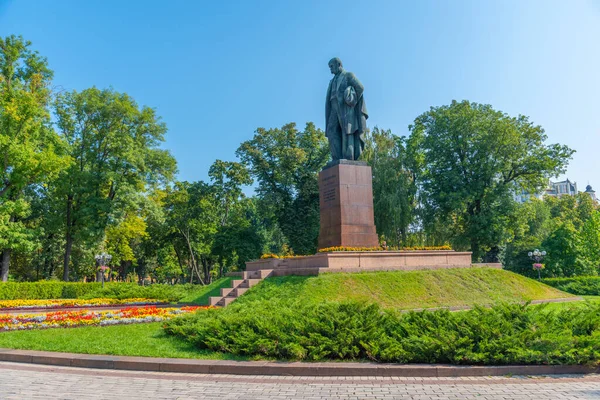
x=590 y=240
x=114 y=145
x=193 y=219
x=286 y=162
x=394 y=187
x=565 y=253
x=531 y=224
x=29 y=148
x=471 y=158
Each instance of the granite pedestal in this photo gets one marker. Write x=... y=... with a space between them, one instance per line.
x=346 y=203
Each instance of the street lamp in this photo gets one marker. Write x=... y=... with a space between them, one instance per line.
x=103 y=260
x=537 y=256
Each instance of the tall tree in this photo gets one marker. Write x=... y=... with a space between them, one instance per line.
x=286 y=162
x=193 y=220
x=471 y=160
x=394 y=186
x=115 y=148
x=29 y=148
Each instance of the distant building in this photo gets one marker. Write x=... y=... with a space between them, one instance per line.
x=555 y=189
x=559 y=189
x=592 y=193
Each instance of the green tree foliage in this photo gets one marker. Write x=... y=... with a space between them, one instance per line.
x=567 y=228
x=590 y=239
x=286 y=163
x=394 y=186
x=193 y=220
x=470 y=159
x=102 y=183
x=29 y=148
x=114 y=146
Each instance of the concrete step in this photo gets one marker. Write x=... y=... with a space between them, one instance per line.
x=226 y=291
x=236 y=282
x=258 y=274
x=214 y=300
x=240 y=291
x=250 y=274
x=265 y=273
x=227 y=301
x=248 y=283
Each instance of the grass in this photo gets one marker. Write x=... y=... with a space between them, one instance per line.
x=408 y=289
x=147 y=340
x=572 y=305
x=200 y=294
x=398 y=289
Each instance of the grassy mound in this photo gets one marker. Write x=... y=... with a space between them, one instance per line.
x=408 y=289
x=358 y=317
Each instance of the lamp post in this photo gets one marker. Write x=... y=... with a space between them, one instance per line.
x=103 y=260
x=537 y=256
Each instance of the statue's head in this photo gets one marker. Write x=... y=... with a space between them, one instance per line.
x=335 y=65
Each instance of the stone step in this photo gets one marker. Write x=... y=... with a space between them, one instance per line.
x=239 y=287
x=226 y=301
x=214 y=300
x=258 y=274
x=236 y=282
x=251 y=274
x=248 y=283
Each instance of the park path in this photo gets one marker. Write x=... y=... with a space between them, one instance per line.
x=26 y=381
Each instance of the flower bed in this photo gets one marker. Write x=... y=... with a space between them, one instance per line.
x=69 y=319
x=379 y=248
x=62 y=303
x=362 y=249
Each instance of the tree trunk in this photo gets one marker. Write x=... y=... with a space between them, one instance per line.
x=475 y=250
x=180 y=264
x=5 y=264
x=193 y=258
x=69 y=239
x=67 y=258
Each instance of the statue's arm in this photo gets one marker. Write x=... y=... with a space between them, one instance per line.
x=358 y=87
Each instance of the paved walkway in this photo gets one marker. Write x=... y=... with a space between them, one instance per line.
x=26 y=381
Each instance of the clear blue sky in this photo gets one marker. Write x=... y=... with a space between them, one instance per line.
x=217 y=70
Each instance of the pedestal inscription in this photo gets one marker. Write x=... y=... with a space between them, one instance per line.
x=346 y=202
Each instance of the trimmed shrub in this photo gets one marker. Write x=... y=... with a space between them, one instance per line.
x=580 y=285
x=73 y=290
x=45 y=290
x=170 y=293
x=507 y=334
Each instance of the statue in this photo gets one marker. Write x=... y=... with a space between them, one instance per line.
x=345 y=114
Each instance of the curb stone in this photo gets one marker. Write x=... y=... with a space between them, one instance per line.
x=281 y=368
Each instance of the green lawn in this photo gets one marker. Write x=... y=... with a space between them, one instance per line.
x=571 y=304
x=200 y=294
x=409 y=289
x=124 y=340
x=398 y=289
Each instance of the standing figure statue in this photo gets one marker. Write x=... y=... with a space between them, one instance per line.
x=345 y=114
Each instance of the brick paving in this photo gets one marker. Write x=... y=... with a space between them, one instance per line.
x=27 y=381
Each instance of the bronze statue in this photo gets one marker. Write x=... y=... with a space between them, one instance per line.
x=345 y=114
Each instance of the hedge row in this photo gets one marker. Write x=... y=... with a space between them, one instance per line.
x=580 y=285
x=74 y=290
x=509 y=334
x=45 y=290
